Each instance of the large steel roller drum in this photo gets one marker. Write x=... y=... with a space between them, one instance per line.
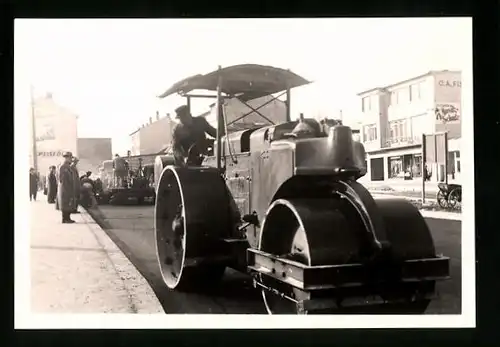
x=161 y=161
x=191 y=219
x=328 y=231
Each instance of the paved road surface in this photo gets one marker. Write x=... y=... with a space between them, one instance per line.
x=131 y=227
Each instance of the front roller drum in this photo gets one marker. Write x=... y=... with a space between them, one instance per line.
x=320 y=232
x=191 y=221
x=161 y=161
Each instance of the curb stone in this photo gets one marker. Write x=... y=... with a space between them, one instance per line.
x=142 y=296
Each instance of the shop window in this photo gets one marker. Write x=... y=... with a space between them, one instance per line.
x=395 y=167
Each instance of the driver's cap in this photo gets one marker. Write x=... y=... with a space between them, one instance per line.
x=181 y=110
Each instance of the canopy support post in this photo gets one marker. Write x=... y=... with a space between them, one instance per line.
x=287 y=103
x=188 y=103
x=220 y=120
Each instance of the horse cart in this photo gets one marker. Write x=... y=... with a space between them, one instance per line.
x=449 y=196
x=282 y=203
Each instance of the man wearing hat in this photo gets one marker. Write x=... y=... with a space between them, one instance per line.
x=51 y=185
x=66 y=189
x=190 y=131
x=120 y=170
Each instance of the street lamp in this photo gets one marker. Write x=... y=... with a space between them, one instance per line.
x=33 y=129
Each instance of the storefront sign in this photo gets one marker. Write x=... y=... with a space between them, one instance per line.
x=402 y=141
x=435 y=148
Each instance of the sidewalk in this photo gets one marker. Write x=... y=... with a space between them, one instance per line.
x=411 y=187
x=76 y=268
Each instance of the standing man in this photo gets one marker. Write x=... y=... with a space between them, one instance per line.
x=33 y=184
x=120 y=169
x=58 y=167
x=190 y=131
x=51 y=185
x=76 y=183
x=66 y=189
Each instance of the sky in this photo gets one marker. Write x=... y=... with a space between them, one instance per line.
x=110 y=71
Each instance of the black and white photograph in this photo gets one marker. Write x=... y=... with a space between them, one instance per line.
x=244 y=173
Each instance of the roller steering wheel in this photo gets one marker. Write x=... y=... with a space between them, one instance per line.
x=195 y=155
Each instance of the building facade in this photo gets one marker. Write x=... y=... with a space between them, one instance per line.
x=153 y=137
x=395 y=117
x=92 y=152
x=56 y=131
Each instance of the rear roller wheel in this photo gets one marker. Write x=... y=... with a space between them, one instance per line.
x=327 y=232
x=189 y=226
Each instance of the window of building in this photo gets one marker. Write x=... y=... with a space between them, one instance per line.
x=415 y=92
x=398 y=131
x=403 y=95
x=394 y=98
x=418 y=127
x=366 y=104
x=369 y=133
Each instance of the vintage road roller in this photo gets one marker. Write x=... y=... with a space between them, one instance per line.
x=282 y=202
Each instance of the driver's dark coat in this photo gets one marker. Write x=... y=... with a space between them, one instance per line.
x=184 y=136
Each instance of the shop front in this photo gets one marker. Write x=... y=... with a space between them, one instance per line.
x=406 y=166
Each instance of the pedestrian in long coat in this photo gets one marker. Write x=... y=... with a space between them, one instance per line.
x=52 y=185
x=76 y=183
x=58 y=167
x=33 y=184
x=66 y=189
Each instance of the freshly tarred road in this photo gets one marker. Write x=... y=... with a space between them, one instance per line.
x=132 y=229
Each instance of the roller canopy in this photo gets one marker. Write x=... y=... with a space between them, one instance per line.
x=247 y=81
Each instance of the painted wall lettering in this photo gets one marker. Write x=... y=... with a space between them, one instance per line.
x=451 y=84
x=50 y=154
x=47 y=133
x=446 y=113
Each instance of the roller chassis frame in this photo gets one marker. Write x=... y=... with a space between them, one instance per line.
x=114 y=195
x=311 y=279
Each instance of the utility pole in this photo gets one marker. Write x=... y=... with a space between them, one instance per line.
x=33 y=129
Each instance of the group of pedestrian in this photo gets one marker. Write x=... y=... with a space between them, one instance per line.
x=62 y=186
